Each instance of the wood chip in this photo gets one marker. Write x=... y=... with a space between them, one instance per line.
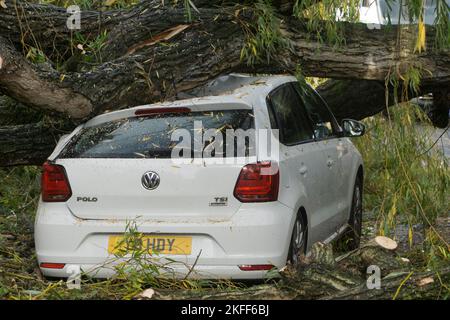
x=386 y=243
x=146 y=294
x=425 y=281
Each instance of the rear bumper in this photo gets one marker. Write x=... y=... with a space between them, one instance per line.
x=257 y=234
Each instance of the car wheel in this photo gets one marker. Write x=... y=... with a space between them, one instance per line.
x=298 y=241
x=352 y=237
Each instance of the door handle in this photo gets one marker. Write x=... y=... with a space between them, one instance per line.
x=303 y=170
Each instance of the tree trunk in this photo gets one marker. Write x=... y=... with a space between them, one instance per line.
x=359 y=99
x=45 y=26
x=354 y=99
x=206 y=48
x=439 y=114
x=151 y=53
x=26 y=144
x=401 y=286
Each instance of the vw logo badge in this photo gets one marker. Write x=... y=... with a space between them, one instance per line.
x=150 y=180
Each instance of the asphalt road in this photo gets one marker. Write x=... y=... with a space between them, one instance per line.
x=444 y=141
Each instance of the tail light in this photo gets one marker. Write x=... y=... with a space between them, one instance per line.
x=258 y=182
x=55 y=186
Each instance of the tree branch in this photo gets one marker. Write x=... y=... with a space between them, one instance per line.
x=26 y=144
x=34 y=87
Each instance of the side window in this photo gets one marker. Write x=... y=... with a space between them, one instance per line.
x=325 y=126
x=290 y=115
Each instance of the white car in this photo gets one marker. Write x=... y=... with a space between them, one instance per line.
x=231 y=214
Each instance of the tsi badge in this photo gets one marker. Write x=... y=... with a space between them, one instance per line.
x=219 y=202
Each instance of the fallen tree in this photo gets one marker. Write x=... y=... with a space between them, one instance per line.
x=358 y=99
x=324 y=276
x=152 y=53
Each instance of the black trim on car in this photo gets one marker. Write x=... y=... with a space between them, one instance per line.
x=273 y=114
x=338 y=131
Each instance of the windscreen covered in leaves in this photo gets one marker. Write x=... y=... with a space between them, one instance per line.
x=156 y=135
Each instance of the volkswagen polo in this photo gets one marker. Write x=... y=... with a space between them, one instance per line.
x=237 y=179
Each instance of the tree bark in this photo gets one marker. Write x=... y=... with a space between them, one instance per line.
x=359 y=99
x=27 y=144
x=208 y=47
x=136 y=68
x=439 y=115
x=323 y=277
x=403 y=286
x=354 y=99
x=420 y=285
x=367 y=54
x=45 y=26
x=26 y=83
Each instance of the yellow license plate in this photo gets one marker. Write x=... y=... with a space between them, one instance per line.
x=161 y=244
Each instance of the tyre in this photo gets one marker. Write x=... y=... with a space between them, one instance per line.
x=352 y=236
x=298 y=241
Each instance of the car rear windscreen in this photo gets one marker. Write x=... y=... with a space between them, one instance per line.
x=156 y=135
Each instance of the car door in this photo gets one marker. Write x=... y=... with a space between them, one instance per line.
x=301 y=155
x=335 y=150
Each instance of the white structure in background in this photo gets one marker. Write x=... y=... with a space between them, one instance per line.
x=381 y=12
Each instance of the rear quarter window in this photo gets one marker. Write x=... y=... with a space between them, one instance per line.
x=150 y=136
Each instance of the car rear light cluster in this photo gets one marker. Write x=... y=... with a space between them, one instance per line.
x=258 y=182
x=55 y=186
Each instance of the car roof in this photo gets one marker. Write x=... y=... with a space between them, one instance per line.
x=240 y=82
x=232 y=91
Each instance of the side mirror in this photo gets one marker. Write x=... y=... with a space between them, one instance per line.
x=353 y=128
